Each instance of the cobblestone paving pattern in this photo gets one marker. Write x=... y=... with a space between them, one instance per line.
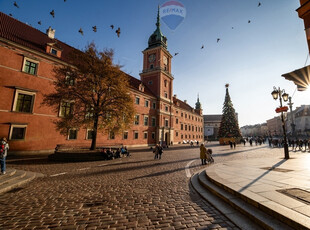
x=135 y=192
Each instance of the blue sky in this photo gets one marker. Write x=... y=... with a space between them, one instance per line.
x=251 y=57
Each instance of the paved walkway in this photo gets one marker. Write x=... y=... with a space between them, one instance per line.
x=280 y=185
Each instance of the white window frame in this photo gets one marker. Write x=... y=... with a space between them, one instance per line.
x=146 y=103
x=51 y=51
x=138 y=119
x=134 y=135
x=19 y=91
x=17 y=126
x=153 y=125
x=147 y=123
x=59 y=113
x=68 y=138
x=86 y=136
x=145 y=137
x=30 y=60
x=137 y=100
x=124 y=135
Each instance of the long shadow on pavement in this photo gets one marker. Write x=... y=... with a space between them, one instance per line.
x=264 y=174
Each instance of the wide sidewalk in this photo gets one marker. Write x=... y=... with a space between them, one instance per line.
x=281 y=185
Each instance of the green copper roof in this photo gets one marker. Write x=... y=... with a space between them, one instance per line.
x=198 y=104
x=157 y=38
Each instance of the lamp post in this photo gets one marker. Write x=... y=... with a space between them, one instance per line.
x=278 y=93
x=290 y=104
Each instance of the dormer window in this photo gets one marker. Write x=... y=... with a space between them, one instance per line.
x=141 y=87
x=53 y=51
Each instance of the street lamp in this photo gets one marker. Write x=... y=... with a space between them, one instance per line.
x=278 y=93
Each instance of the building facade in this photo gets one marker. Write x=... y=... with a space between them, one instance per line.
x=211 y=126
x=27 y=60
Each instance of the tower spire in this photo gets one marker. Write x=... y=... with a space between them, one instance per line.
x=158 y=19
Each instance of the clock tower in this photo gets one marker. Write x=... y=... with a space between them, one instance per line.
x=156 y=75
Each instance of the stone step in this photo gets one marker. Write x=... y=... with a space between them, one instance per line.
x=259 y=217
x=283 y=215
x=236 y=217
x=17 y=179
x=8 y=177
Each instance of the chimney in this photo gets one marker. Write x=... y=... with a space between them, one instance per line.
x=185 y=101
x=50 y=33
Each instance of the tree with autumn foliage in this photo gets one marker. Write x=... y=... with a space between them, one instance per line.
x=91 y=92
x=229 y=127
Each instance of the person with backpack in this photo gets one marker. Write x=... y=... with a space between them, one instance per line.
x=4 y=147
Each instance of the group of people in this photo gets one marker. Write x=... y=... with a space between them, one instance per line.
x=299 y=143
x=205 y=155
x=158 y=151
x=4 y=147
x=109 y=154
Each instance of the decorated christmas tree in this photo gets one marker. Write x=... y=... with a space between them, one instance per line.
x=229 y=128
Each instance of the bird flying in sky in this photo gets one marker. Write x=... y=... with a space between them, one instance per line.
x=217 y=40
x=175 y=54
x=118 y=31
x=39 y=22
x=52 y=13
x=259 y=4
x=249 y=21
x=95 y=28
x=81 y=31
x=202 y=46
x=15 y=4
x=112 y=27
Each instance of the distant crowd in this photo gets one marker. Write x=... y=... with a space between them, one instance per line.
x=109 y=154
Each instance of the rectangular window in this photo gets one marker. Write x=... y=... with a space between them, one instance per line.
x=153 y=136
x=181 y=114
x=89 y=134
x=176 y=134
x=146 y=103
x=111 y=135
x=181 y=126
x=189 y=128
x=89 y=113
x=185 y=127
x=166 y=95
x=145 y=135
x=166 y=109
x=146 y=120
x=136 y=120
x=136 y=135
x=23 y=101
x=72 y=134
x=53 y=51
x=154 y=105
x=137 y=100
x=125 y=135
x=181 y=136
x=30 y=66
x=177 y=121
x=17 y=132
x=153 y=121
x=66 y=108
x=166 y=123
x=185 y=115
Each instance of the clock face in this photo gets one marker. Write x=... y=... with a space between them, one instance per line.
x=152 y=58
x=165 y=60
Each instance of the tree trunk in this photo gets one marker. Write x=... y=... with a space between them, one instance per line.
x=94 y=139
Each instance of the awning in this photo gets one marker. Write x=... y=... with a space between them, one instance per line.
x=301 y=77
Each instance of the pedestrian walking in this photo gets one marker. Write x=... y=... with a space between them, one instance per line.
x=156 y=151
x=160 y=151
x=4 y=147
x=203 y=152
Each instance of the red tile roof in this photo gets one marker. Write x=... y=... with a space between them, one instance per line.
x=25 y=35
x=183 y=105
